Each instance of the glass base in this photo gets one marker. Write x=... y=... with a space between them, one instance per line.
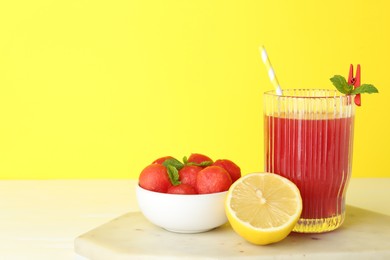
x=319 y=225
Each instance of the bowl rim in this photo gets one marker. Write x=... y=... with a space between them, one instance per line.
x=181 y=195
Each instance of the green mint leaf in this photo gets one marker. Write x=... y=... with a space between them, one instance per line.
x=365 y=88
x=206 y=163
x=202 y=164
x=173 y=174
x=185 y=160
x=341 y=84
x=173 y=162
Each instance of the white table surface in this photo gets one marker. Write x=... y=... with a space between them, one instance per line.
x=40 y=219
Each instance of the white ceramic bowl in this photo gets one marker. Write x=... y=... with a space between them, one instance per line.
x=183 y=213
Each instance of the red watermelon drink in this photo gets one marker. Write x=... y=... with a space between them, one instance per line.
x=308 y=138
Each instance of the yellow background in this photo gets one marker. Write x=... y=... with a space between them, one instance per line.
x=99 y=89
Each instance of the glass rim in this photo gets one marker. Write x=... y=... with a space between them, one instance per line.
x=336 y=93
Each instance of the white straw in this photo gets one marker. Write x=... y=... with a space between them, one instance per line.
x=270 y=70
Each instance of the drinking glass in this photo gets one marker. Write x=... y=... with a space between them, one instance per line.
x=308 y=138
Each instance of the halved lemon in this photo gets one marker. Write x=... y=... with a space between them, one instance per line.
x=263 y=208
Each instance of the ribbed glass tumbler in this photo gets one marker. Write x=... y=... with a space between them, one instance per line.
x=308 y=138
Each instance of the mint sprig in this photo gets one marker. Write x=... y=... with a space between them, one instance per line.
x=202 y=164
x=365 y=88
x=174 y=162
x=342 y=85
x=173 y=174
x=173 y=167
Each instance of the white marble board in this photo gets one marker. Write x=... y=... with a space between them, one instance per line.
x=364 y=235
